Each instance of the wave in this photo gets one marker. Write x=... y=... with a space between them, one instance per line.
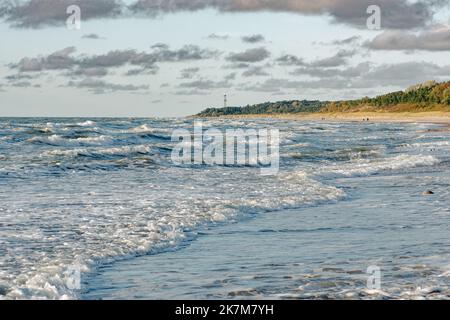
x=88 y=218
x=102 y=152
x=155 y=136
x=363 y=167
x=426 y=145
x=152 y=222
x=41 y=130
x=87 y=123
x=142 y=128
x=338 y=155
x=57 y=140
x=144 y=131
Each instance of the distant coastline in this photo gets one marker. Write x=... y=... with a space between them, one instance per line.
x=426 y=102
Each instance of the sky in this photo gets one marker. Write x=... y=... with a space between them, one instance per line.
x=166 y=58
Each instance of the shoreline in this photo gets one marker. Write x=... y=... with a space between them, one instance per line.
x=244 y=272
x=437 y=117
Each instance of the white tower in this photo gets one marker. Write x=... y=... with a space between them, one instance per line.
x=225 y=100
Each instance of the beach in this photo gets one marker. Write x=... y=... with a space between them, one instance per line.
x=405 y=117
x=319 y=252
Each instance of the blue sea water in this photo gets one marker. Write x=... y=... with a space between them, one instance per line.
x=104 y=195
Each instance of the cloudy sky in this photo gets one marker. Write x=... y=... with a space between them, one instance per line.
x=176 y=57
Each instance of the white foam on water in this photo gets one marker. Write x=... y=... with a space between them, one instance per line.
x=362 y=167
x=426 y=145
x=95 y=140
x=86 y=219
x=115 y=151
x=140 y=220
x=145 y=128
x=87 y=123
x=142 y=128
x=58 y=140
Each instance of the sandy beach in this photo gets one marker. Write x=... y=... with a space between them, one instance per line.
x=420 y=117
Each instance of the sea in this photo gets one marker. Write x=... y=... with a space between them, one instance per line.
x=96 y=209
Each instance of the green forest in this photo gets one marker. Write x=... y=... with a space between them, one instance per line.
x=295 y=106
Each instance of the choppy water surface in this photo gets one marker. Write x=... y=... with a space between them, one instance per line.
x=104 y=194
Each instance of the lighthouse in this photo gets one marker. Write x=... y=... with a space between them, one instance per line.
x=225 y=100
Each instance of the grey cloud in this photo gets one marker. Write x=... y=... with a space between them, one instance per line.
x=205 y=84
x=147 y=70
x=286 y=86
x=89 y=65
x=135 y=72
x=400 y=75
x=201 y=87
x=29 y=65
x=90 y=72
x=353 y=71
x=100 y=86
x=230 y=76
x=189 y=73
x=156 y=7
x=404 y=74
x=249 y=56
x=215 y=36
x=253 y=38
x=255 y=71
x=398 y=14
x=22 y=84
x=160 y=45
x=240 y=65
x=340 y=58
x=273 y=85
x=58 y=60
x=192 y=92
x=362 y=76
x=21 y=80
x=114 y=58
x=188 y=52
x=92 y=36
x=39 y=13
x=19 y=76
x=290 y=60
x=347 y=41
x=434 y=39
